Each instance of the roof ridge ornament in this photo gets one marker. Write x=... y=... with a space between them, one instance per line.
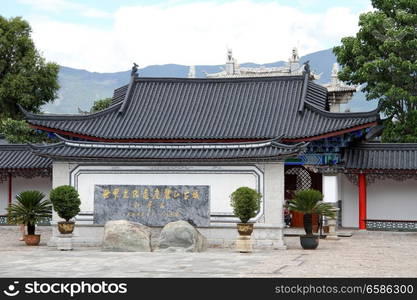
x=133 y=76
x=307 y=68
x=134 y=72
x=306 y=79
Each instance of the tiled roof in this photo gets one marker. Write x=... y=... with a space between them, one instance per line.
x=210 y=109
x=264 y=150
x=382 y=156
x=14 y=156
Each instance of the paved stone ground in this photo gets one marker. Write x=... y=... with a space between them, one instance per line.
x=369 y=254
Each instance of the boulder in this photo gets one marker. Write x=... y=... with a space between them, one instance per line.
x=126 y=236
x=181 y=236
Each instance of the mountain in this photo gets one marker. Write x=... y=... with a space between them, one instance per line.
x=80 y=88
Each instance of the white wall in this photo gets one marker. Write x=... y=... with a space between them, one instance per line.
x=386 y=200
x=20 y=184
x=221 y=185
x=222 y=181
x=350 y=205
x=268 y=179
x=330 y=188
x=392 y=200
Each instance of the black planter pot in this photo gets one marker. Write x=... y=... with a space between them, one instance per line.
x=309 y=242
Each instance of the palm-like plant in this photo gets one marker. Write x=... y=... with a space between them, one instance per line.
x=309 y=202
x=29 y=209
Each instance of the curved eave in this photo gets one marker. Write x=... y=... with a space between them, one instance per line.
x=292 y=140
x=332 y=133
x=265 y=150
x=64 y=117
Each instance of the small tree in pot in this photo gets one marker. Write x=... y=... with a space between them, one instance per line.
x=309 y=202
x=66 y=202
x=29 y=210
x=245 y=203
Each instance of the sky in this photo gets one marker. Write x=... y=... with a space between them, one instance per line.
x=109 y=35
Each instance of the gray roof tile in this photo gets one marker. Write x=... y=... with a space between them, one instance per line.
x=14 y=156
x=384 y=156
x=211 y=109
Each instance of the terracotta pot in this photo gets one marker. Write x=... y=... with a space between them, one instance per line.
x=66 y=227
x=245 y=229
x=309 y=242
x=32 y=239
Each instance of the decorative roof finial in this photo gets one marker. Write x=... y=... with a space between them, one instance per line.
x=134 y=72
x=307 y=67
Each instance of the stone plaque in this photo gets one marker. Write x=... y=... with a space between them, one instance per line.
x=152 y=205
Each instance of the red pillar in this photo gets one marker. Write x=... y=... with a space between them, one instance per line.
x=362 y=200
x=10 y=189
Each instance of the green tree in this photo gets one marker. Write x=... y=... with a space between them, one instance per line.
x=383 y=58
x=25 y=77
x=19 y=132
x=101 y=104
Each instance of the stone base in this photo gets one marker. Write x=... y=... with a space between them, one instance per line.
x=244 y=244
x=219 y=235
x=64 y=242
x=332 y=235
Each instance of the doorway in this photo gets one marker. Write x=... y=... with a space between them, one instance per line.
x=299 y=178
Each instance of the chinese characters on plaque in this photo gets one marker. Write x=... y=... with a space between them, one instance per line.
x=152 y=205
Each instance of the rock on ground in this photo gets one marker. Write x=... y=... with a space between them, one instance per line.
x=126 y=236
x=181 y=236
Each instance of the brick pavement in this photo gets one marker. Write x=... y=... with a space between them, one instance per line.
x=369 y=254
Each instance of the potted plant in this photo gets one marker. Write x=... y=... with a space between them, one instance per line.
x=309 y=202
x=66 y=203
x=29 y=209
x=245 y=203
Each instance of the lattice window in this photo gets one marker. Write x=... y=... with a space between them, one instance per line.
x=303 y=177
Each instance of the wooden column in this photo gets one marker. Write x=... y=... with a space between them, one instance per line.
x=362 y=200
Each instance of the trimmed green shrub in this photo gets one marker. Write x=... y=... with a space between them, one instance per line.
x=245 y=202
x=66 y=201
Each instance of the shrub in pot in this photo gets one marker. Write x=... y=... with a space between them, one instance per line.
x=309 y=202
x=66 y=202
x=245 y=203
x=29 y=209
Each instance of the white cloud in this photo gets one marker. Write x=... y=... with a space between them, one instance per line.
x=192 y=33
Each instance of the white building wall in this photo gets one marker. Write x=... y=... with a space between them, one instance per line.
x=222 y=180
x=386 y=200
x=350 y=203
x=392 y=200
x=330 y=188
x=267 y=178
x=20 y=184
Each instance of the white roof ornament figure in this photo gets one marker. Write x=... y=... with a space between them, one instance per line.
x=232 y=68
x=191 y=72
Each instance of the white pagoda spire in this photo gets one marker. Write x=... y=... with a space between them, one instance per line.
x=338 y=92
x=191 y=72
